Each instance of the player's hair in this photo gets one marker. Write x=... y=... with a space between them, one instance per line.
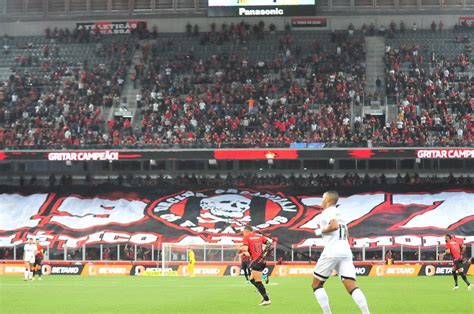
x=333 y=195
x=248 y=228
x=449 y=236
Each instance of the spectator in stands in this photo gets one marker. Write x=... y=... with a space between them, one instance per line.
x=402 y=27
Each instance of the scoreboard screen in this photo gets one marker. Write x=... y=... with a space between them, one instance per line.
x=243 y=8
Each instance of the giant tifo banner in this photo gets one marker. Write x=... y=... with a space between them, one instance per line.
x=86 y=216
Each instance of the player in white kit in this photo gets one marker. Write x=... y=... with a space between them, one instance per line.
x=336 y=256
x=29 y=258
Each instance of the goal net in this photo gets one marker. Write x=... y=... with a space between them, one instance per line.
x=174 y=257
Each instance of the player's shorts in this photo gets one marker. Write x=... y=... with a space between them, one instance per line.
x=38 y=261
x=258 y=266
x=342 y=265
x=245 y=264
x=29 y=259
x=458 y=264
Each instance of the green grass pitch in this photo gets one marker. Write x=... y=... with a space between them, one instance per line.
x=71 y=294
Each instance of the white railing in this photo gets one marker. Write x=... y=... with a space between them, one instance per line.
x=382 y=253
x=208 y=253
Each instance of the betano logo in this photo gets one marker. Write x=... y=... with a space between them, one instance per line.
x=395 y=270
x=431 y=270
x=65 y=270
x=12 y=270
x=114 y=271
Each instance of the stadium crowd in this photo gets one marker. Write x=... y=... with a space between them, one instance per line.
x=304 y=94
x=59 y=103
x=229 y=100
x=433 y=105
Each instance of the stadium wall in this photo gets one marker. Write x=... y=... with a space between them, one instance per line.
x=178 y=24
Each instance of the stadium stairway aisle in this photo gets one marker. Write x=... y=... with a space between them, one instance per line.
x=375 y=67
x=129 y=91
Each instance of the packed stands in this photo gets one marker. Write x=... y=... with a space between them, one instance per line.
x=58 y=86
x=236 y=86
x=262 y=92
x=429 y=78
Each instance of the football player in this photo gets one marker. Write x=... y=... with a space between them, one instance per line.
x=191 y=262
x=29 y=253
x=456 y=248
x=245 y=264
x=38 y=260
x=257 y=247
x=337 y=255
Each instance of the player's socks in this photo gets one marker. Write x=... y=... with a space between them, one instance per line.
x=30 y=274
x=252 y=281
x=262 y=290
x=323 y=299
x=455 y=276
x=34 y=273
x=40 y=272
x=360 y=300
x=26 y=274
x=463 y=276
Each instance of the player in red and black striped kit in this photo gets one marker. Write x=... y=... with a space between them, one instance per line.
x=245 y=264
x=456 y=248
x=257 y=247
x=38 y=260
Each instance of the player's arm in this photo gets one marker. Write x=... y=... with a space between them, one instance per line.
x=267 y=243
x=447 y=249
x=333 y=225
x=244 y=251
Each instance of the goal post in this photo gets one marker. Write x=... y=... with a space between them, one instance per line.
x=174 y=255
